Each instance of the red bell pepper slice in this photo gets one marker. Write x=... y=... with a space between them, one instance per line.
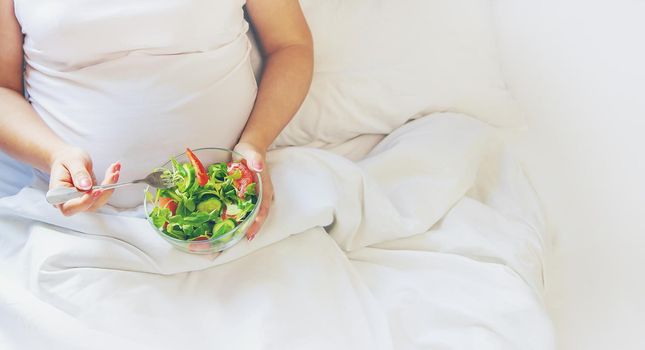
x=200 y=172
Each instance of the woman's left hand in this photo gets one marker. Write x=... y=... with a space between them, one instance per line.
x=255 y=161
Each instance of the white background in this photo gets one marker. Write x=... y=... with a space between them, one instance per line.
x=578 y=69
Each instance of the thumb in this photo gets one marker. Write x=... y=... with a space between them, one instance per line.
x=254 y=160
x=81 y=177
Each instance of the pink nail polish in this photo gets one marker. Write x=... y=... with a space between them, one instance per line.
x=97 y=194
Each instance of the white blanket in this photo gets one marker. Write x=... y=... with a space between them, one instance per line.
x=432 y=240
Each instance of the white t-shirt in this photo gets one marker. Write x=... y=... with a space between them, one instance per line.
x=138 y=81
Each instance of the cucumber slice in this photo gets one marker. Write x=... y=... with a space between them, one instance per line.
x=222 y=227
x=209 y=205
x=190 y=170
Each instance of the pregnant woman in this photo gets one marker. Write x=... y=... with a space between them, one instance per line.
x=116 y=85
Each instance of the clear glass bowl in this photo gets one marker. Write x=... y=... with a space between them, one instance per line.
x=207 y=156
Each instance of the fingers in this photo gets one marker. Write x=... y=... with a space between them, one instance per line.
x=259 y=220
x=78 y=205
x=254 y=158
x=81 y=176
x=267 y=195
x=94 y=199
x=111 y=177
x=74 y=173
x=255 y=162
x=59 y=177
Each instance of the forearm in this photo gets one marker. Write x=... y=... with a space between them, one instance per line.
x=284 y=85
x=23 y=134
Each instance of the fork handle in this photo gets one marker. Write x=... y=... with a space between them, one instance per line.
x=112 y=186
x=61 y=195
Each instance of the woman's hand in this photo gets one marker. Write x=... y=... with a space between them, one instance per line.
x=255 y=160
x=72 y=167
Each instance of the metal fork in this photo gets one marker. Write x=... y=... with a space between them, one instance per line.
x=63 y=194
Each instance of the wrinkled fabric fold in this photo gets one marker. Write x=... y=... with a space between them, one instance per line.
x=337 y=264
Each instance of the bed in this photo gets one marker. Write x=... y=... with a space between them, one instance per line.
x=401 y=219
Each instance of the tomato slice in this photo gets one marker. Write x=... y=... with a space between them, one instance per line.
x=165 y=202
x=245 y=179
x=200 y=171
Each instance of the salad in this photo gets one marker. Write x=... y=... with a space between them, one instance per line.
x=205 y=203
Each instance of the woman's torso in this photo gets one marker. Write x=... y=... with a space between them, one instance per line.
x=138 y=81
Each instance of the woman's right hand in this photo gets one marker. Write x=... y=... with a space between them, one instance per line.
x=72 y=167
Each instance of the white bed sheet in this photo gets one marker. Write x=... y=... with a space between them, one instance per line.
x=13 y=175
x=433 y=240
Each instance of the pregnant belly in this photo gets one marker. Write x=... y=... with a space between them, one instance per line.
x=143 y=131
